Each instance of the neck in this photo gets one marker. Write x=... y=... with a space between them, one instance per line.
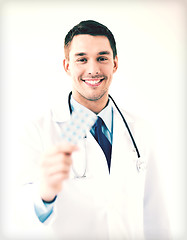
x=95 y=106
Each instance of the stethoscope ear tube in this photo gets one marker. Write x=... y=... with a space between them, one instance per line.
x=133 y=141
x=69 y=102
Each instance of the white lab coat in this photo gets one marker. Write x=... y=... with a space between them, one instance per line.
x=125 y=204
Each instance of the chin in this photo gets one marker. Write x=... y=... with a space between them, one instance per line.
x=95 y=97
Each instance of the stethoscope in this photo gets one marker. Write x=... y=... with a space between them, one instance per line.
x=139 y=164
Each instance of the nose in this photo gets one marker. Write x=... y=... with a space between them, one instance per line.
x=93 y=67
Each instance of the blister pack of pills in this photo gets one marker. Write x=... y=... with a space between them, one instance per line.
x=75 y=129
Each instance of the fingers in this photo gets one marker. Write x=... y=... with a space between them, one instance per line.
x=65 y=147
x=55 y=168
x=56 y=159
x=60 y=163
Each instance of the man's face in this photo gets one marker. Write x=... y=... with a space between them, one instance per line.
x=91 y=66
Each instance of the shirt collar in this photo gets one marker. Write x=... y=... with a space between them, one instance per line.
x=105 y=114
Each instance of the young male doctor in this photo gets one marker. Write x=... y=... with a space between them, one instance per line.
x=114 y=194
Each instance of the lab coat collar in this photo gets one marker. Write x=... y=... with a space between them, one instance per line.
x=128 y=117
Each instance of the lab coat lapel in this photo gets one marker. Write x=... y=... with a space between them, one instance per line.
x=59 y=114
x=97 y=164
x=122 y=149
x=60 y=111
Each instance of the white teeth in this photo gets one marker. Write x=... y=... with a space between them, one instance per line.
x=93 y=81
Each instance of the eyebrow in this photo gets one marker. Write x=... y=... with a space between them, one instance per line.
x=104 y=53
x=80 y=54
x=100 y=53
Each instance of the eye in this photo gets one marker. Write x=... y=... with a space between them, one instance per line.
x=102 y=59
x=81 y=60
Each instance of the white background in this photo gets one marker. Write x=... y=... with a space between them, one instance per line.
x=150 y=81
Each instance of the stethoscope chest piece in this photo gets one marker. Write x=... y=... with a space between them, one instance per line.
x=140 y=165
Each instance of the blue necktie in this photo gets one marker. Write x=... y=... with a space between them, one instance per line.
x=103 y=140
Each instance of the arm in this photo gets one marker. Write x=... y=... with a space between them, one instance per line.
x=41 y=176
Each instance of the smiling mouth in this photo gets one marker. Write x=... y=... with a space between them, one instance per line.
x=93 y=82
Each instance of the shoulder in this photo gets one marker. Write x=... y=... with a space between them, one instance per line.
x=56 y=113
x=38 y=121
x=140 y=128
x=133 y=120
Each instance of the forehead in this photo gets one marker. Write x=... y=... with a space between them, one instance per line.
x=89 y=44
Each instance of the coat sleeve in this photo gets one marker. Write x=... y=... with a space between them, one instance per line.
x=30 y=149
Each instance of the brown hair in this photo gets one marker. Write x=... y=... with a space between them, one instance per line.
x=92 y=28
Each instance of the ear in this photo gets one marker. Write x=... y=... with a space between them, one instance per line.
x=115 y=64
x=66 y=66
